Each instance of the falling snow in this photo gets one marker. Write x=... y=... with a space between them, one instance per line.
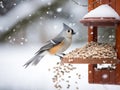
x=26 y=40
x=47 y=12
x=9 y=37
x=14 y=4
x=72 y=24
x=1 y=4
x=17 y=17
x=104 y=76
x=14 y=30
x=41 y=18
x=91 y=33
x=30 y=15
x=49 y=3
x=22 y=40
x=55 y=27
x=14 y=39
x=59 y=10
x=55 y=16
x=21 y=43
x=91 y=27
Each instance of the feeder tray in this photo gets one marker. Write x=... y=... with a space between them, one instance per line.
x=100 y=21
x=90 y=61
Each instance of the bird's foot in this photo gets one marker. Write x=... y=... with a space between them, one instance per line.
x=60 y=55
x=63 y=54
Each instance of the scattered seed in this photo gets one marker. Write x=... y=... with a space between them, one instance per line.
x=68 y=86
x=49 y=69
x=69 y=76
x=76 y=82
x=67 y=81
x=59 y=71
x=77 y=88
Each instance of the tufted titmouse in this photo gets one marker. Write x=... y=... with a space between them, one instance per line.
x=54 y=46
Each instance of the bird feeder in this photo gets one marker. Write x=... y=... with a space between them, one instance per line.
x=103 y=75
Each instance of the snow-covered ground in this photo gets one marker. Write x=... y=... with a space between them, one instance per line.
x=13 y=76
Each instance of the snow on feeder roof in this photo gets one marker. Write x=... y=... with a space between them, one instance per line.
x=103 y=11
x=103 y=15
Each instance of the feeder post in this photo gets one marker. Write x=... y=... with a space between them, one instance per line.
x=92 y=36
x=118 y=44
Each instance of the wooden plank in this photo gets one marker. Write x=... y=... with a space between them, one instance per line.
x=118 y=44
x=90 y=61
x=92 y=34
x=98 y=3
x=91 y=38
x=91 y=73
x=117 y=79
x=118 y=41
x=118 y=6
x=97 y=76
x=113 y=4
x=112 y=76
x=90 y=5
x=105 y=1
x=94 y=22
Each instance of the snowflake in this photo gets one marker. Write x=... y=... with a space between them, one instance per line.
x=55 y=26
x=21 y=43
x=49 y=3
x=1 y=4
x=14 y=4
x=47 y=12
x=22 y=38
x=55 y=16
x=30 y=15
x=59 y=9
x=41 y=18
x=14 y=39
x=17 y=16
x=9 y=37
x=14 y=30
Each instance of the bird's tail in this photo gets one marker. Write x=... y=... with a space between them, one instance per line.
x=34 y=61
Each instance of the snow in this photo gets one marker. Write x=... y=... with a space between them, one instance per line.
x=27 y=8
x=1 y=4
x=59 y=10
x=13 y=76
x=104 y=76
x=103 y=11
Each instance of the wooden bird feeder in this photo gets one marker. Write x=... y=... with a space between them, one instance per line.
x=104 y=75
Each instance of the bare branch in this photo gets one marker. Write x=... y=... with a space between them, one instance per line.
x=78 y=3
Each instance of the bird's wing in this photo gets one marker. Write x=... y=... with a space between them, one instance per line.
x=50 y=44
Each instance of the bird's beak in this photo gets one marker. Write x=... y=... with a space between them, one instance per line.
x=73 y=33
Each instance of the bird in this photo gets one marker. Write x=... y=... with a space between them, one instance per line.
x=55 y=46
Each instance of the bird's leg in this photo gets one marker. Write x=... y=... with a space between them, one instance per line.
x=63 y=54
x=60 y=55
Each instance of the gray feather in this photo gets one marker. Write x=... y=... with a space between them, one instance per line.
x=34 y=61
x=50 y=44
x=58 y=40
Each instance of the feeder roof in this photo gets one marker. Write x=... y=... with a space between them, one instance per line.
x=103 y=10
x=103 y=15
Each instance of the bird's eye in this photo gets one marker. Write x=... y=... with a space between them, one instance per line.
x=68 y=31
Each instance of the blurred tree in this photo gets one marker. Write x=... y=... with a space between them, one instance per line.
x=9 y=4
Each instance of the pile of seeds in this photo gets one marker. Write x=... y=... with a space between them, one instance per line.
x=93 y=50
x=62 y=77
